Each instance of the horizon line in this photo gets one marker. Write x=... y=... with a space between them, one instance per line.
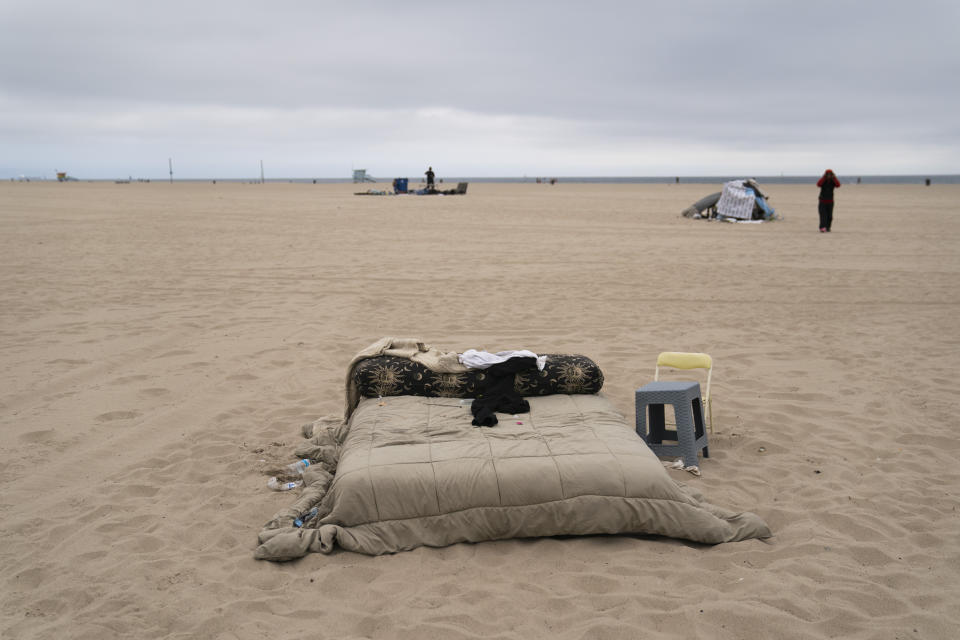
x=23 y=177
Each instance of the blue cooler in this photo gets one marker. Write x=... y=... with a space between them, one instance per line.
x=400 y=185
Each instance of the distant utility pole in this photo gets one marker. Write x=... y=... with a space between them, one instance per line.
x=170 y=162
x=261 y=172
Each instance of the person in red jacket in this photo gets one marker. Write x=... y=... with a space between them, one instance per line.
x=827 y=183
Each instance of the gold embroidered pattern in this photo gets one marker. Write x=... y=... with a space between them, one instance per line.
x=385 y=379
x=573 y=377
x=449 y=385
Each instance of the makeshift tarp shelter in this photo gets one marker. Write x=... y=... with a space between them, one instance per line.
x=740 y=200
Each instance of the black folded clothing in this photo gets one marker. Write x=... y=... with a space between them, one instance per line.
x=498 y=392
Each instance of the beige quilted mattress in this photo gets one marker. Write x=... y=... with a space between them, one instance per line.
x=413 y=471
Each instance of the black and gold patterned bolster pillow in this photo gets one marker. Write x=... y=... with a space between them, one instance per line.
x=393 y=376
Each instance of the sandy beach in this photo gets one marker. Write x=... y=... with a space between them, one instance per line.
x=163 y=344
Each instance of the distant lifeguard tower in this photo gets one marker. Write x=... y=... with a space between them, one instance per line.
x=360 y=175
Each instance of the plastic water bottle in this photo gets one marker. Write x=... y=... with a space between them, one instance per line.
x=276 y=485
x=309 y=515
x=299 y=466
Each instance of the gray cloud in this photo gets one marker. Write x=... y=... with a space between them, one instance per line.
x=607 y=88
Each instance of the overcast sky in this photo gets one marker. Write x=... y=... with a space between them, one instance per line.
x=599 y=88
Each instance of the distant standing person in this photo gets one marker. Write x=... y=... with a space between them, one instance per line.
x=429 y=177
x=827 y=183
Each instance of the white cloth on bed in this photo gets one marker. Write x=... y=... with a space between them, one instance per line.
x=473 y=359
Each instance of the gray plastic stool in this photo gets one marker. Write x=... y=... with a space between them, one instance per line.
x=690 y=435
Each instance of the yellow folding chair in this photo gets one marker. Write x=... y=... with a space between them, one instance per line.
x=686 y=361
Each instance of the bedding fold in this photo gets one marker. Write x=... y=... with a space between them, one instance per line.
x=413 y=472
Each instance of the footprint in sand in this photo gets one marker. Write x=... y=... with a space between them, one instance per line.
x=176 y=352
x=140 y=491
x=31 y=578
x=43 y=436
x=155 y=391
x=111 y=416
x=143 y=543
x=127 y=379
